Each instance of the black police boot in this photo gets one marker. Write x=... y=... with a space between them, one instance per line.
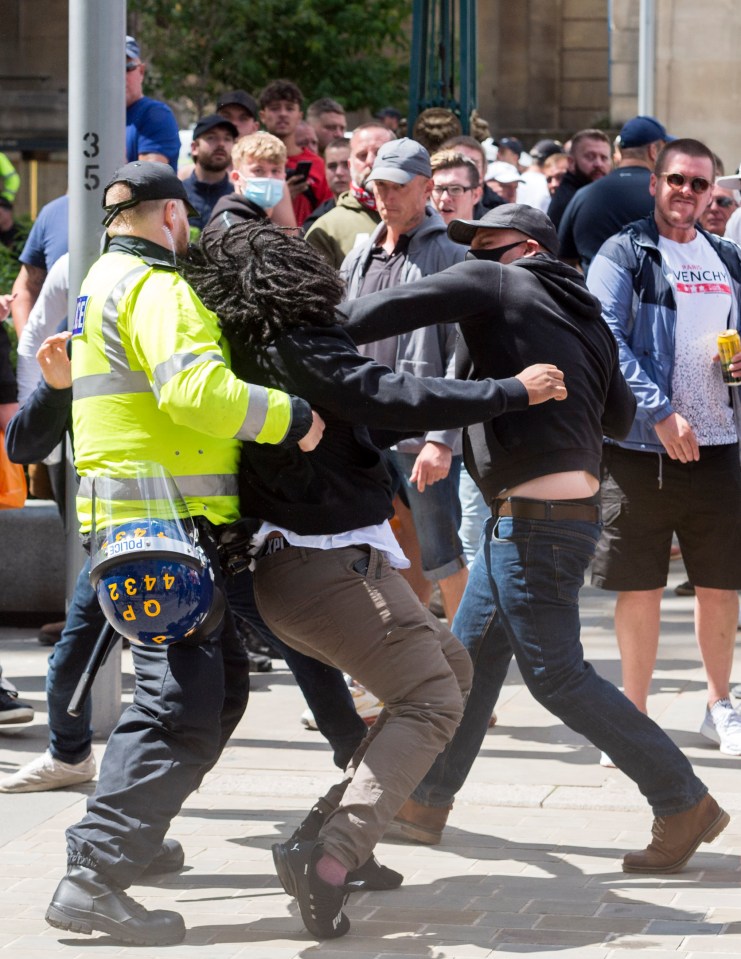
x=84 y=902
x=170 y=858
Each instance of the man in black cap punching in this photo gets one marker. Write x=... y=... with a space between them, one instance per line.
x=539 y=472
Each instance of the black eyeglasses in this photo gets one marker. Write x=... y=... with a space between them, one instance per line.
x=455 y=189
x=132 y=66
x=677 y=180
x=724 y=202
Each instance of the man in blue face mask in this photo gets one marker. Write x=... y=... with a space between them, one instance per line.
x=259 y=179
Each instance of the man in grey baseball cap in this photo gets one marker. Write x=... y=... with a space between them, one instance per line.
x=399 y=161
x=410 y=242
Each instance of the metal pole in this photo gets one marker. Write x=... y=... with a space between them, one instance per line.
x=646 y=58
x=417 y=62
x=97 y=147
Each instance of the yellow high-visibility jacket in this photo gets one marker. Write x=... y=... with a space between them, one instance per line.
x=151 y=382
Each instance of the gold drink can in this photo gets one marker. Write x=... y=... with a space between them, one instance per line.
x=729 y=344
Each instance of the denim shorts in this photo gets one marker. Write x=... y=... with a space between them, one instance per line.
x=437 y=517
x=647 y=498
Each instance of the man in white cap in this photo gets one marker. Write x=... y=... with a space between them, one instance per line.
x=504 y=178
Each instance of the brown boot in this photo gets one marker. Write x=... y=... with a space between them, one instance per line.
x=417 y=823
x=675 y=838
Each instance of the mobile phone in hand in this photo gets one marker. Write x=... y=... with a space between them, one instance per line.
x=303 y=169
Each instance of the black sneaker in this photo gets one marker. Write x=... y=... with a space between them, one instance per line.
x=12 y=709
x=374 y=876
x=319 y=903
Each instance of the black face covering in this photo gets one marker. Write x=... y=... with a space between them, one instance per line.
x=494 y=256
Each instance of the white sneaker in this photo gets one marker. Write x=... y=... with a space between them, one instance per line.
x=722 y=724
x=45 y=772
x=307 y=719
x=604 y=760
x=366 y=705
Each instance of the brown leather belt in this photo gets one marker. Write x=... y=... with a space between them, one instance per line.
x=546 y=509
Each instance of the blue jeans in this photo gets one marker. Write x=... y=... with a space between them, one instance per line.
x=70 y=737
x=522 y=599
x=437 y=518
x=474 y=514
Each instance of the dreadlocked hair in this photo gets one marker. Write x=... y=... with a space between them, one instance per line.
x=261 y=282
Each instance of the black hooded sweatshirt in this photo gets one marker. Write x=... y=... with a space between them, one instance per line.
x=343 y=484
x=535 y=310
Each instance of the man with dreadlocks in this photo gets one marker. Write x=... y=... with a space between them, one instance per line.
x=326 y=579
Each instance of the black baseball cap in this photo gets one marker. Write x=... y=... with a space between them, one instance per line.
x=147 y=181
x=242 y=99
x=544 y=149
x=509 y=216
x=214 y=120
x=511 y=143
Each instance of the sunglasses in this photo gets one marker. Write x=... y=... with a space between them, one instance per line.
x=677 y=180
x=724 y=202
x=132 y=66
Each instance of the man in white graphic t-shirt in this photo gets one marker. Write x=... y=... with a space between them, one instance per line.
x=667 y=289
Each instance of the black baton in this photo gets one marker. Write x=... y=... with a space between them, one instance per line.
x=105 y=642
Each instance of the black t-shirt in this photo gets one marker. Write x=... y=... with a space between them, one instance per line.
x=602 y=209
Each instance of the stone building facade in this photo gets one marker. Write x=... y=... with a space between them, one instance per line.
x=545 y=68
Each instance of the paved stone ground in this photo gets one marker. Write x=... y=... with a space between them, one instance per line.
x=530 y=862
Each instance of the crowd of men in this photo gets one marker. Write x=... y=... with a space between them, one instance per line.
x=511 y=354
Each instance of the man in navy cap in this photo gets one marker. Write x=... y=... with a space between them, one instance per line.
x=211 y=149
x=605 y=206
x=151 y=127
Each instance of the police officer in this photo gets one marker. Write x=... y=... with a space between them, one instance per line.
x=151 y=383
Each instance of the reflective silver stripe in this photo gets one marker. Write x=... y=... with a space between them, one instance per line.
x=257 y=412
x=198 y=487
x=121 y=379
x=107 y=384
x=164 y=372
x=113 y=346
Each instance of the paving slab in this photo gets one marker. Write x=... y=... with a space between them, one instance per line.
x=529 y=864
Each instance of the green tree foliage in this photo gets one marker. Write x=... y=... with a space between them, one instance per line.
x=352 y=50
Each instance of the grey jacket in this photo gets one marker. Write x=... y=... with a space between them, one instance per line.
x=429 y=351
